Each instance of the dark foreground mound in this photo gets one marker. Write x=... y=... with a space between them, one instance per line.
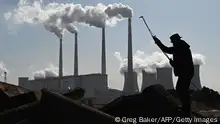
x=154 y=101
x=55 y=109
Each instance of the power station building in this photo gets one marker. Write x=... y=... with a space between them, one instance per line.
x=133 y=87
x=165 y=77
x=90 y=83
x=148 y=79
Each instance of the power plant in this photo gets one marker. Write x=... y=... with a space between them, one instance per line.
x=76 y=55
x=89 y=82
x=195 y=83
x=96 y=85
x=165 y=77
x=128 y=86
x=103 y=56
x=148 y=79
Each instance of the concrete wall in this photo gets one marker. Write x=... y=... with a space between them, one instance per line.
x=23 y=82
x=36 y=85
x=93 y=82
x=148 y=79
x=165 y=77
x=68 y=82
x=51 y=84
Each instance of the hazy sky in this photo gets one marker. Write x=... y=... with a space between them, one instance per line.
x=27 y=48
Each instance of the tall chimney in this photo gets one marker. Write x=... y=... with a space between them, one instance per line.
x=5 y=76
x=103 y=61
x=148 y=79
x=195 y=83
x=130 y=80
x=130 y=88
x=60 y=65
x=165 y=77
x=76 y=55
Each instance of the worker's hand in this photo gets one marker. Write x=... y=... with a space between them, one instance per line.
x=171 y=62
x=156 y=40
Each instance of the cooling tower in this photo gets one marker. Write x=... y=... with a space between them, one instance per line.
x=195 y=83
x=165 y=77
x=60 y=64
x=130 y=88
x=103 y=56
x=76 y=55
x=148 y=79
x=130 y=85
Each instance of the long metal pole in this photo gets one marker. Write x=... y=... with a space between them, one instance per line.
x=152 y=35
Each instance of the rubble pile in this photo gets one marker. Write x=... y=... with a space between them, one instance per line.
x=25 y=108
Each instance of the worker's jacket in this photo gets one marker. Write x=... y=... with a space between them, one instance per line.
x=182 y=58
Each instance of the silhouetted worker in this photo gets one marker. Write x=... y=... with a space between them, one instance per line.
x=183 y=68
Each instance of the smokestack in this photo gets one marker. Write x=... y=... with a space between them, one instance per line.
x=5 y=77
x=195 y=83
x=165 y=77
x=128 y=88
x=103 y=61
x=148 y=79
x=60 y=64
x=76 y=55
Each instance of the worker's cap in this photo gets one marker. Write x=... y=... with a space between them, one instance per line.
x=175 y=36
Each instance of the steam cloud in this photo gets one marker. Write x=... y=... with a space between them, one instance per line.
x=2 y=68
x=59 y=16
x=149 y=63
x=52 y=71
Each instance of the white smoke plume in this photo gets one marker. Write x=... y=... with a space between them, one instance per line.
x=51 y=71
x=198 y=59
x=149 y=63
x=71 y=28
x=54 y=29
x=3 y=68
x=60 y=15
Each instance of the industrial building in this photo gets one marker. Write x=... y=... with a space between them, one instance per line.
x=165 y=77
x=148 y=79
x=128 y=86
x=95 y=85
x=90 y=83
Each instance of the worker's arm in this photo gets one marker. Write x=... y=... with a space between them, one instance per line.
x=164 y=48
